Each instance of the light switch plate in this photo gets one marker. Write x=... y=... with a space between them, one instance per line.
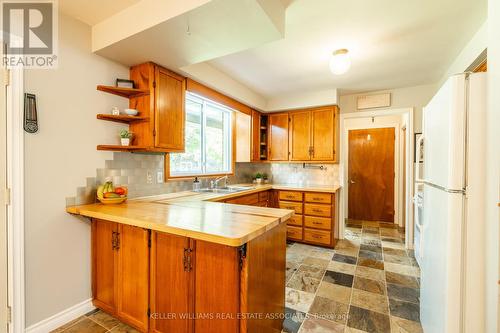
x=159 y=177
x=149 y=177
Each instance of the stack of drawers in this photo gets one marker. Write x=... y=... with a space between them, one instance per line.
x=314 y=218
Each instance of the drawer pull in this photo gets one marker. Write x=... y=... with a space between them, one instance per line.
x=316 y=236
x=318 y=199
x=315 y=222
x=316 y=210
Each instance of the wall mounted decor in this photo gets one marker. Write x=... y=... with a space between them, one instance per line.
x=30 y=113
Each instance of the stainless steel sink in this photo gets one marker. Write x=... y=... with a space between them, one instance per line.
x=231 y=189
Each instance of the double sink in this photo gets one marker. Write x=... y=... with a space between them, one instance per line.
x=228 y=189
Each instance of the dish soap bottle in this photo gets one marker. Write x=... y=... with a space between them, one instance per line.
x=196 y=184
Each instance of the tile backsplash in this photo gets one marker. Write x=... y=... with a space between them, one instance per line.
x=139 y=172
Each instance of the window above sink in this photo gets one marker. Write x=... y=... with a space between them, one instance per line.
x=208 y=140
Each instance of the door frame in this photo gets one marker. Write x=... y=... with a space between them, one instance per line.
x=399 y=198
x=15 y=211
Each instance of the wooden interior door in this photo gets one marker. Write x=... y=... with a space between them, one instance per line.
x=169 y=111
x=323 y=134
x=300 y=136
x=371 y=174
x=278 y=137
x=104 y=265
x=171 y=284
x=133 y=275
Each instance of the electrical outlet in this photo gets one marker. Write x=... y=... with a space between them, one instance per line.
x=159 y=177
x=149 y=177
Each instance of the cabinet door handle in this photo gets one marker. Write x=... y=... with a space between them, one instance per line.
x=117 y=241
x=187 y=260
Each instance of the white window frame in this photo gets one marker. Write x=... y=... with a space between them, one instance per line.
x=228 y=142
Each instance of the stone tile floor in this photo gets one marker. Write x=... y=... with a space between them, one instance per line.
x=95 y=322
x=368 y=283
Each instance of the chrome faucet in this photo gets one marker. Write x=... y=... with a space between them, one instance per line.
x=213 y=183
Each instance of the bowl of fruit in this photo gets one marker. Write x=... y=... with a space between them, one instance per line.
x=108 y=194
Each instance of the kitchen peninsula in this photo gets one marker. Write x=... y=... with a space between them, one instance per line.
x=160 y=262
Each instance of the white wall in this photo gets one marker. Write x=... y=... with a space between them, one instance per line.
x=411 y=97
x=492 y=168
x=58 y=159
x=470 y=52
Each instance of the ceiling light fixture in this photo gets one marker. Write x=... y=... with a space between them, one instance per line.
x=340 y=61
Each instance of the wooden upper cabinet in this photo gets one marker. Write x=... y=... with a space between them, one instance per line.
x=169 y=110
x=162 y=109
x=243 y=137
x=278 y=137
x=323 y=134
x=300 y=136
x=255 y=147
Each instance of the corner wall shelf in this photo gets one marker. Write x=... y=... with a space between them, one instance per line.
x=121 y=118
x=123 y=92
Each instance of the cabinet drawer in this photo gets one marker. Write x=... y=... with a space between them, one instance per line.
x=317 y=236
x=295 y=220
x=318 y=210
x=296 y=206
x=294 y=232
x=264 y=196
x=251 y=199
x=325 y=198
x=290 y=196
x=318 y=222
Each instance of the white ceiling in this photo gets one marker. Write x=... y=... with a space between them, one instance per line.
x=93 y=11
x=392 y=43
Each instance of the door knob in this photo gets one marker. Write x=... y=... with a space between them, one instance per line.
x=352 y=181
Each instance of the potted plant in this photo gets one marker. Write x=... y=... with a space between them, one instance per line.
x=265 y=178
x=125 y=137
x=258 y=178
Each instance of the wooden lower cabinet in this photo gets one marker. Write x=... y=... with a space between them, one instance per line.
x=163 y=283
x=120 y=271
x=261 y=199
x=315 y=216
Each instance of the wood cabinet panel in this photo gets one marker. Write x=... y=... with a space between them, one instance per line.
x=300 y=136
x=278 y=137
x=295 y=220
x=296 y=206
x=294 y=233
x=251 y=199
x=255 y=135
x=133 y=275
x=264 y=196
x=169 y=111
x=211 y=260
x=317 y=236
x=290 y=196
x=243 y=137
x=317 y=210
x=323 y=134
x=170 y=283
x=104 y=264
x=318 y=222
x=325 y=198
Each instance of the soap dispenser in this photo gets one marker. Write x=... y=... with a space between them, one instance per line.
x=196 y=184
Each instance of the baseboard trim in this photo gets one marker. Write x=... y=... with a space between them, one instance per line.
x=62 y=317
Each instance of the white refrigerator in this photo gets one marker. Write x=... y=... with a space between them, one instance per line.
x=451 y=253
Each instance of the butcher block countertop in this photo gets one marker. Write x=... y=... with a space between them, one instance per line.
x=196 y=215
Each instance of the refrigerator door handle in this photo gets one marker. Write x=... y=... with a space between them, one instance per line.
x=442 y=188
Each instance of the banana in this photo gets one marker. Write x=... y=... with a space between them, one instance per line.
x=100 y=191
